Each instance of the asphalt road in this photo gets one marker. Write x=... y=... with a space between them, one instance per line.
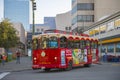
x=106 y=71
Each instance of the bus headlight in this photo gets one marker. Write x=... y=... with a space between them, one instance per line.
x=34 y=58
x=55 y=58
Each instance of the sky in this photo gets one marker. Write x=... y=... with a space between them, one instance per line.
x=49 y=8
x=1 y=10
x=46 y=8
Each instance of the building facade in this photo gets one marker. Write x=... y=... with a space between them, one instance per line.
x=86 y=12
x=108 y=33
x=22 y=38
x=49 y=23
x=82 y=14
x=17 y=11
x=63 y=21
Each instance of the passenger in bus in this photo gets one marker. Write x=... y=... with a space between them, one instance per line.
x=53 y=44
x=44 y=44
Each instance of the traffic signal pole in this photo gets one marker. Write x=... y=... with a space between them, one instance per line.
x=33 y=25
x=33 y=15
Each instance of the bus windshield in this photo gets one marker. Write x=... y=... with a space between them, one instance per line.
x=44 y=42
x=50 y=42
x=53 y=42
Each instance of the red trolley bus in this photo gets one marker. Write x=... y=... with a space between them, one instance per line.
x=63 y=51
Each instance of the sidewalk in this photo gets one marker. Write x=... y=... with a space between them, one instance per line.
x=25 y=64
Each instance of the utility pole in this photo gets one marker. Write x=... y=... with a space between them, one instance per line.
x=33 y=15
x=33 y=25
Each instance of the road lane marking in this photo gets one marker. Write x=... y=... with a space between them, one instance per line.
x=2 y=75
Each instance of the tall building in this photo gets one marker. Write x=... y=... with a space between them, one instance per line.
x=86 y=12
x=17 y=11
x=105 y=8
x=49 y=23
x=82 y=14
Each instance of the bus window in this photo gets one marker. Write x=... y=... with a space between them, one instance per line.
x=96 y=44
x=39 y=43
x=35 y=44
x=44 y=42
x=87 y=43
x=53 y=42
x=63 y=42
x=82 y=44
x=70 y=44
x=77 y=44
x=92 y=45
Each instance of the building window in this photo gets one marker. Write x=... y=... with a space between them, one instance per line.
x=118 y=47
x=110 y=26
x=117 y=23
x=74 y=10
x=85 y=6
x=96 y=31
x=42 y=30
x=74 y=20
x=73 y=1
x=103 y=49
x=38 y=30
x=103 y=29
x=110 y=48
x=85 y=18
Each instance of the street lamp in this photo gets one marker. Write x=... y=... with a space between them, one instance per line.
x=33 y=9
x=33 y=15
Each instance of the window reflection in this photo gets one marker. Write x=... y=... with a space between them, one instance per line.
x=118 y=47
x=110 y=48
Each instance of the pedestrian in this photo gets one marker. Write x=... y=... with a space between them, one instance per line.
x=18 y=57
x=0 y=57
x=4 y=57
x=105 y=56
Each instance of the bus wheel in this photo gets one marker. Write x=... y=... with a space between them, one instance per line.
x=47 y=69
x=87 y=65
x=69 y=66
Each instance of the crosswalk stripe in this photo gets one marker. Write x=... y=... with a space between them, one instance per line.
x=2 y=75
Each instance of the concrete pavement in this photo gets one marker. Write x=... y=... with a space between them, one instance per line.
x=25 y=64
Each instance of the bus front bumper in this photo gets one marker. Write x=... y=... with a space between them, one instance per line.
x=42 y=66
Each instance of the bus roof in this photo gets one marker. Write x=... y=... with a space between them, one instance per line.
x=68 y=36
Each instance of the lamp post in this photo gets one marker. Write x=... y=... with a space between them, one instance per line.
x=33 y=15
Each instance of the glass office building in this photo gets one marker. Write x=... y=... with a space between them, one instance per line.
x=17 y=11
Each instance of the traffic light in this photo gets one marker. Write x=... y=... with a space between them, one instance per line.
x=34 y=5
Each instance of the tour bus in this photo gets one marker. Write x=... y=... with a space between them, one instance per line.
x=63 y=51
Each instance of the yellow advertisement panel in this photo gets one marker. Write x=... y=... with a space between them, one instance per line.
x=78 y=56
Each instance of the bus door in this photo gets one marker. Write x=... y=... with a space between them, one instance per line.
x=76 y=52
x=88 y=52
x=63 y=46
x=83 y=50
x=94 y=48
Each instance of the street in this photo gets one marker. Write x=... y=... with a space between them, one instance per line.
x=105 y=71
